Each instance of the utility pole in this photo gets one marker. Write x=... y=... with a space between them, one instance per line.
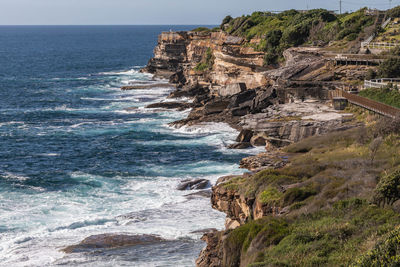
x=390 y=4
x=340 y=7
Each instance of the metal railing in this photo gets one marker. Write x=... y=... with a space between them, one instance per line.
x=367 y=42
x=382 y=45
x=381 y=83
x=386 y=23
x=367 y=103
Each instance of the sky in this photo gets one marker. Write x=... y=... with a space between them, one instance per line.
x=155 y=12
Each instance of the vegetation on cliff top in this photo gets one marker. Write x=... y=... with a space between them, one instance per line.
x=278 y=32
x=338 y=192
x=338 y=236
x=388 y=96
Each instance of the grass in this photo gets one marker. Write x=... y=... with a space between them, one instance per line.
x=387 y=96
x=323 y=169
x=334 y=237
x=334 y=204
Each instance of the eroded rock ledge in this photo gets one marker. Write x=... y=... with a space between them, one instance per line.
x=272 y=107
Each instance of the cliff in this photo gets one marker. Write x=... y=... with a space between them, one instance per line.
x=229 y=81
x=321 y=208
x=314 y=197
x=232 y=63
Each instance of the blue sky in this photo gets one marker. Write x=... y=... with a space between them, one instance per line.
x=109 y=12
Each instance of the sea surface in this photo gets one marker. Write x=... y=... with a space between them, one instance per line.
x=74 y=162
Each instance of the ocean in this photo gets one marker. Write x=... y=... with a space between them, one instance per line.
x=80 y=157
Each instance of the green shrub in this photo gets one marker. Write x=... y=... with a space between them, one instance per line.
x=226 y=20
x=270 y=196
x=352 y=36
x=207 y=62
x=293 y=195
x=202 y=29
x=293 y=28
x=270 y=58
x=385 y=253
x=371 y=74
x=390 y=68
x=387 y=96
x=388 y=189
x=334 y=237
x=394 y=12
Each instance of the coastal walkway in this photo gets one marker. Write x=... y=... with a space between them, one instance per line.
x=381 y=83
x=366 y=103
x=356 y=60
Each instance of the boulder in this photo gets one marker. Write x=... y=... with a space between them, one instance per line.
x=243 y=145
x=244 y=136
x=232 y=89
x=240 y=111
x=170 y=105
x=193 y=184
x=111 y=241
x=215 y=107
x=243 y=97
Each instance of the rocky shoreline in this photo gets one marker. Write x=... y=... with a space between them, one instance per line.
x=262 y=103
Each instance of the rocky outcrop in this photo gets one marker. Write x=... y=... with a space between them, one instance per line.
x=265 y=160
x=239 y=207
x=280 y=125
x=146 y=86
x=178 y=53
x=169 y=54
x=193 y=184
x=211 y=255
x=170 y=105
x=112 y=241
x=298 y=62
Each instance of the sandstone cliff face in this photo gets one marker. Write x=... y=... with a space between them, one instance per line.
x=238 y=207
x=233 y=63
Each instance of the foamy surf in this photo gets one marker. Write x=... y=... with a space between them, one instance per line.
x=84 y=158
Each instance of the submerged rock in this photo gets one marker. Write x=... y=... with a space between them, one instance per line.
x=110 y=241
x=194 y=184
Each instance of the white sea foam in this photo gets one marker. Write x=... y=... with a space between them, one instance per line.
x=12 y=176
x=11 y=123
x=205 y=128
x=49 y=155
x=45 y=222
x=127 y=72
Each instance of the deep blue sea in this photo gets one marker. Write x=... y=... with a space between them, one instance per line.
x=74 y=162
